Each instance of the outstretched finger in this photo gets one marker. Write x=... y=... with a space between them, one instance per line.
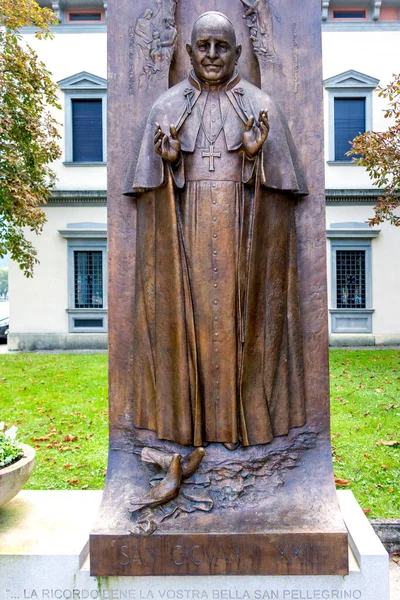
x=249 y=124
x=264 y=130
x=159 y=134
x=173 y=132
x=157 y=147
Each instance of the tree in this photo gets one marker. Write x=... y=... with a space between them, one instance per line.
x=379 y=153
x=28 y=131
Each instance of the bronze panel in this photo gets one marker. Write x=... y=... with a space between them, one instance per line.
x=292 y=503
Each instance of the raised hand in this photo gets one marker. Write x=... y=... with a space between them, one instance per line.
x=255 y=134
x=167 y=146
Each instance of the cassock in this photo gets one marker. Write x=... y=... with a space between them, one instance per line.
x=218 y=348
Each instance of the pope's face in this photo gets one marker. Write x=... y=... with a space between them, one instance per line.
x=213 y=51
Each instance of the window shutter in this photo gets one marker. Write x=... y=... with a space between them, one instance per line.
x=349 y=122
x=87 y=130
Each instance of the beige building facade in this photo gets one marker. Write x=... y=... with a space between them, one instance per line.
x=64 y=306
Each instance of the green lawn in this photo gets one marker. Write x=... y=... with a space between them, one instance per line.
x=365 y=411
x=59 y=403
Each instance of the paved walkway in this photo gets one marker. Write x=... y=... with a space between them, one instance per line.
x=394 y=580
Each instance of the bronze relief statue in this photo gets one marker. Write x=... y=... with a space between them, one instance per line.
x=219 y=456
x=218 y=349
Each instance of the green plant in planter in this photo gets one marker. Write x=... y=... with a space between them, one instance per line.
x=10 y=449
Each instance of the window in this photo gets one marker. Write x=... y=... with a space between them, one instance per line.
x=85 y=16
x=85 y=119
x=349 y=112
x=351 y=277
x=87 y=130
x=349 y=116
x=87 y=276
x=349 y=13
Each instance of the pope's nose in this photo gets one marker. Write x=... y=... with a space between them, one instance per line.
x=212 y=51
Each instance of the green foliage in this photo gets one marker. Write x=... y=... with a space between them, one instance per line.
x=10 y=450
x=28 y=130
x=3 y=282
x=380 y=155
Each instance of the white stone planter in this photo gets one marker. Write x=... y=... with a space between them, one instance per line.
x=14 y=477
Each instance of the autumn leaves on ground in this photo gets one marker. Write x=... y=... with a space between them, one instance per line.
x=365 y=412
x=59 y=404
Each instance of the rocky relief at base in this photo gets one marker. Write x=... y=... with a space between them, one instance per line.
x=218 y=485
x=152 y=43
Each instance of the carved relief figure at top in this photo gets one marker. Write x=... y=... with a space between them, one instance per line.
x=259 y=15
x=154 y=38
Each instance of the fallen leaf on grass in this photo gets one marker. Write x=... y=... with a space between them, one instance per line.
x=70 y=438
x=53 y=445
x=366 y=413
x=67 y=466
x=342 y=482
x=73 y=481
x=366 y=511
x=385 y=467
x=366 y=455
x=388 y=443
x=390 y=490
x=85 y=487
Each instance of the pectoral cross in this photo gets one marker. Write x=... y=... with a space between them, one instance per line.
x=211 y=155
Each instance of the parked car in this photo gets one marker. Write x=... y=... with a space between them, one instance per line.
x=4 y=326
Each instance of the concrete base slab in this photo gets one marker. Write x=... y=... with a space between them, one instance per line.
x=32 y=342
x=44 y=556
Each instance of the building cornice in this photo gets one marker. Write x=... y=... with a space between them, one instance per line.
x=70 y=28
x=360 y=196
x=77 y=198
x=365 y=26
x=99 y=197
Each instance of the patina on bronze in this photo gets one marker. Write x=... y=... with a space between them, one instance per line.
x=218 y=329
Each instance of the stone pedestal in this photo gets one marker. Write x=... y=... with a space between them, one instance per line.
x=44 y=556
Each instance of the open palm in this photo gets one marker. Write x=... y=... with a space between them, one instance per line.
x=255 y=134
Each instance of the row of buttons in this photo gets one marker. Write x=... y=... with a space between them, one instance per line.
x=215 y=300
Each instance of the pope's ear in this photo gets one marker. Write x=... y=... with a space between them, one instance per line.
x=238 y=52
x=189 y=50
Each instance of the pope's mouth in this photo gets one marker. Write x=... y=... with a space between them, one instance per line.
x=212 y=67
